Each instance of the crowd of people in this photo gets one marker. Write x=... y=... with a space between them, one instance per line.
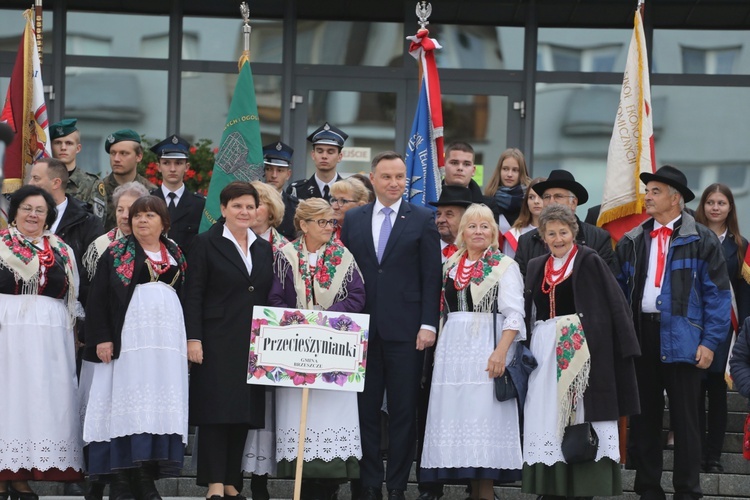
x=121 y=326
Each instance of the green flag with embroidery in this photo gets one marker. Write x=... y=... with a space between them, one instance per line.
x=240 y=156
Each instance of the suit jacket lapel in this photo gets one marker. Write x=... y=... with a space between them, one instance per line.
x=366 y=225
x=227 y=248
x=402 y=218
x=183 y=207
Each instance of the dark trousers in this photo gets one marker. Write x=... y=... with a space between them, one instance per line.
x=220 y=449
x=394 y=367
x=682 y=382
x=422 y=405
x=713 y=423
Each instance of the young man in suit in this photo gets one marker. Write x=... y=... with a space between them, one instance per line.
x=185 y=208
x=397 y=247
x=327 y=142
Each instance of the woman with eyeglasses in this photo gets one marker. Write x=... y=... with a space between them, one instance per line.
x=40 y=428
x=316 y=271
x=345 y=195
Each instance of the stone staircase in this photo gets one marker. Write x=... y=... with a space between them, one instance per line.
x=733 y=484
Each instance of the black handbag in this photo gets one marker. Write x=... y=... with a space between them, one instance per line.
x=580 y=443
x=505 y=389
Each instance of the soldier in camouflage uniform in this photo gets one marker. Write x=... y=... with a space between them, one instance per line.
x=125 y=151
x=82 y=185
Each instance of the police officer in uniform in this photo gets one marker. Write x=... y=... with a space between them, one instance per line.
x=185 y=208
x=125 y=151
x=327 y=142
x=82 y=185
x=277 y=160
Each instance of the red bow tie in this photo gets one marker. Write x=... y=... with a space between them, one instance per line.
x=449 y=250
x=662 y=235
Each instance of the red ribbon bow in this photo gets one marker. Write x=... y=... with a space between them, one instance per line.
x=662 y=234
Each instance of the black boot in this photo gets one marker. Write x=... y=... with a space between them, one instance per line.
x=146 y=487
x=120 y=488
x=259 y=487
x=95 y=490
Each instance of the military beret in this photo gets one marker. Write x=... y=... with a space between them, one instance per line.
x=62 y=128
x=121 y=135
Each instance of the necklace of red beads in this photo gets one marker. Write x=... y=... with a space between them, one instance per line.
x=553 y=278
x=162 y=265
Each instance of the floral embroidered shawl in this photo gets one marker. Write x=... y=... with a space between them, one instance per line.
x=123 y=253
x=573 y=368
x=97 y=249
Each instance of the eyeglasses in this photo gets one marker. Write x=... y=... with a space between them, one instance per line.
x=27 y=209
x=341 y=201
x=324 y=222
x=557 y=196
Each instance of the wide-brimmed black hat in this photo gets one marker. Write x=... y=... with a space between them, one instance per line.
x=565 y=180
x=671 y=176
x=453 y=195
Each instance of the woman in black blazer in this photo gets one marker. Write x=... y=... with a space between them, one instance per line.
x=230 y=272
x=718 y=212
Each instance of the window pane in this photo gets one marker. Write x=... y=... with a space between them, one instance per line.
x=12 y=24
x=205 y=104
x=118 y=35
x=478 y=47
x=221 y=39
x=578 y=49
x=106 y=100
x=350 y=43
x=723 y=52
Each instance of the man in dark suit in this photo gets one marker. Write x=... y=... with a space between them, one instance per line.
x=277 y=167
x=185 y=208
x=397 y=247
x=327 y=142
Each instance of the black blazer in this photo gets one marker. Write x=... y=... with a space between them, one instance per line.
x=403 y=291
x=79 y=227
x=286 y=228
x=219 y=301
x=307 y=188
x=187 y=217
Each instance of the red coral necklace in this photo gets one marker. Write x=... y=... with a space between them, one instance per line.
x=160 y=266
x=553 y=278
x=464 y=273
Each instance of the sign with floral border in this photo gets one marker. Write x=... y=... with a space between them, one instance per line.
x=308 y=348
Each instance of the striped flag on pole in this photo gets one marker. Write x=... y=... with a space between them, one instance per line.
x=424 y=151
x=631 y=149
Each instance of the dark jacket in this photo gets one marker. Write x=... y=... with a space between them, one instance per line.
x=307 y=188
x=79 y=227
x=739 y=364
x=286 y=228
x=187 y=217
x=531 y=245
x=219 y=301
x=695 y=301
x=608 y=325
x=478 y=197
x=110 y=297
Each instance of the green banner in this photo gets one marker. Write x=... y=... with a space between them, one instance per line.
x=240 y=156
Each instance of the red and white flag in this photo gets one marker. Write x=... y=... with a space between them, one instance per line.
x=25 y=111
x=631 y=149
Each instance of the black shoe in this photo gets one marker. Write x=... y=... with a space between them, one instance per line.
x=371 y=494
x=714 y=467
x=5 y=494
x=396 y=495
x=21 y=495
x=95 y=491
x=238 y=496
x=120 y=488
x=428 y=495
x=259 y=487
x=145 y=484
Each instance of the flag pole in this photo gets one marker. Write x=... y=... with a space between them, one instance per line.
x=424 y=10
x=39 y=35
x=246 y=29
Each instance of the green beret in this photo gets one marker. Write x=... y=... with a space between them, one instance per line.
x=121 y=135
x=62 y=128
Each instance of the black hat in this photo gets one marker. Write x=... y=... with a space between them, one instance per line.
x=62 y=128
x=453 y=195
x=125 y=134
x=672 y=177
x=278 y=154
x=173 y=146
x=565 y=180
x=329 y=135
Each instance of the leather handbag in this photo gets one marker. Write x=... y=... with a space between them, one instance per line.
x=505 y=389
x=580 y=443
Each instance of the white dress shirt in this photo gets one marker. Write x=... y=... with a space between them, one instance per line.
x=60 y=211
x=244 y=252
x=650 y=291
x=178 y=194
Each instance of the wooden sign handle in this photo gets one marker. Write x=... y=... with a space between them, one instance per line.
x=301 y=444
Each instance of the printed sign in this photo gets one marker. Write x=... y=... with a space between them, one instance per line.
x=308 y=348
x=356 y=154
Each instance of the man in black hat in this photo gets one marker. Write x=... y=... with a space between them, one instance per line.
x=277 y=163
x=562 y=188
x=185 y=208
x=675 y=278
x=327 y=142
x=125 y=151
x=85 y=186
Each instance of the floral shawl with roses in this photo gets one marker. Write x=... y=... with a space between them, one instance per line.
x=123 y=253
x=573 y=368
x=19 y=256
x=322 y=285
